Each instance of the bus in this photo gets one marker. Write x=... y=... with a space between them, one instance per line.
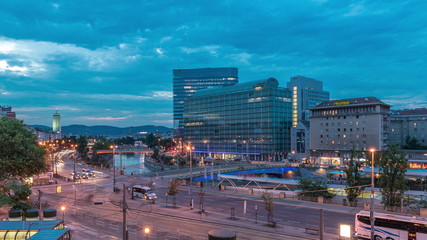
x=144 y=193
x=390 y=227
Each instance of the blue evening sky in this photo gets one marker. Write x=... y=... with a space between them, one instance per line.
x=109 y=62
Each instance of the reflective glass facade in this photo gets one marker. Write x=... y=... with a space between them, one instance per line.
x=187 y=81
x=246 y=120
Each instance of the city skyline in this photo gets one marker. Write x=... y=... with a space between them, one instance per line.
x=111 y=64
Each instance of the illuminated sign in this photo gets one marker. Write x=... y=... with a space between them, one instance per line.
x=341 y=103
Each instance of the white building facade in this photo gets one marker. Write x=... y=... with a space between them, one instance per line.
x=338 y=126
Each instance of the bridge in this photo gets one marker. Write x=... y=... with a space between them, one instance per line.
x=125 y=150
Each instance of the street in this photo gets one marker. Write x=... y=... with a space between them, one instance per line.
x=168 y=221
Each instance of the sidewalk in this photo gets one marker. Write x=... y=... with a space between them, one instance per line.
x=289 y=202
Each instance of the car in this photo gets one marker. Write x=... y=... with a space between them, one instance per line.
x=84 y=176
x=89 y=173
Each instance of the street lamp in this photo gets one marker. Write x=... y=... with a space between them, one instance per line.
x=114 y=167
x=207 y=142
x=247 y=154
x=63 y=214
x=189 y=148
x=147 y=231
x=372 y=150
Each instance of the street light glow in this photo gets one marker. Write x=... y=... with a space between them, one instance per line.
x=372 y=149
x=63 y=208
x=147 y=230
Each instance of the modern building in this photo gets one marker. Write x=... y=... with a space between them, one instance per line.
x=408 y=123
x=56 y=122
x=300 y=142
x=339 y=125
x=306 y=94
x=7 y=112
x=248 y=120
x=186 y=82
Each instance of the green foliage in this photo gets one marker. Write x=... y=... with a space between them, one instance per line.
x=101 y=145
x=15 y=195
x=98 y=160
x=20 y=155
x=155 y=154
x=124 y=141
x=354 y=178
x=413 y=143
x=173 y=187
x=82 y=148
x=393 y=167
x=151 y=140
x=314 y=188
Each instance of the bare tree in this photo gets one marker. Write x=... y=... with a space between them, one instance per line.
x=173 y=190
x=201 y=200
x=268 y=205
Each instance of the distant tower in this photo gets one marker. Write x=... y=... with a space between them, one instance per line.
x=56 y=122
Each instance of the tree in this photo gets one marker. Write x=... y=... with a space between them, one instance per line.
x=173 y=190
x=267 y=197
x=101 y=145
x=393 y=166
x=313 y=189
x=20 y=155
x=354 y=178
x=82 y=148
x=201 y=194
x=16 y=195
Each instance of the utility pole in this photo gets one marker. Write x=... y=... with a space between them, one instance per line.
x=40 y=203
x=74 y=175
x=321 y=225
x=371 y=215
x=125 y=230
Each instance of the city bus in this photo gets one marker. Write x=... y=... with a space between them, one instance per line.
x=390 y=227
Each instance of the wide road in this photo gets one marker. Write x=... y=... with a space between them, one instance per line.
x=182 y=220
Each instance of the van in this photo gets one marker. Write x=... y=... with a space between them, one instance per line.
x=144 y=193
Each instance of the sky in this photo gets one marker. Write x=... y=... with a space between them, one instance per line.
x=109 y=62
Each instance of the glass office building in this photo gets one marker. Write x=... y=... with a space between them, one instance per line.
x=187 y=81
x=248 y=120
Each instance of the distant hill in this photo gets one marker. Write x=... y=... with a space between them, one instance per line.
x=109 y=131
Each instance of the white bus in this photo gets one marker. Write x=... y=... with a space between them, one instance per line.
x=390 y=227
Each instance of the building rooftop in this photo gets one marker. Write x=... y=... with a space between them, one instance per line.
x=410 y=112
x=265 y=83
x=36 y=225
x=351 y=101
x=49 y=234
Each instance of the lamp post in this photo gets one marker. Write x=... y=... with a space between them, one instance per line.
x=189 y=148
x=63 y=214
x=372 y=150
x=114 y=167
x=207 y=143
x=247 y=154
x=147 y=231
